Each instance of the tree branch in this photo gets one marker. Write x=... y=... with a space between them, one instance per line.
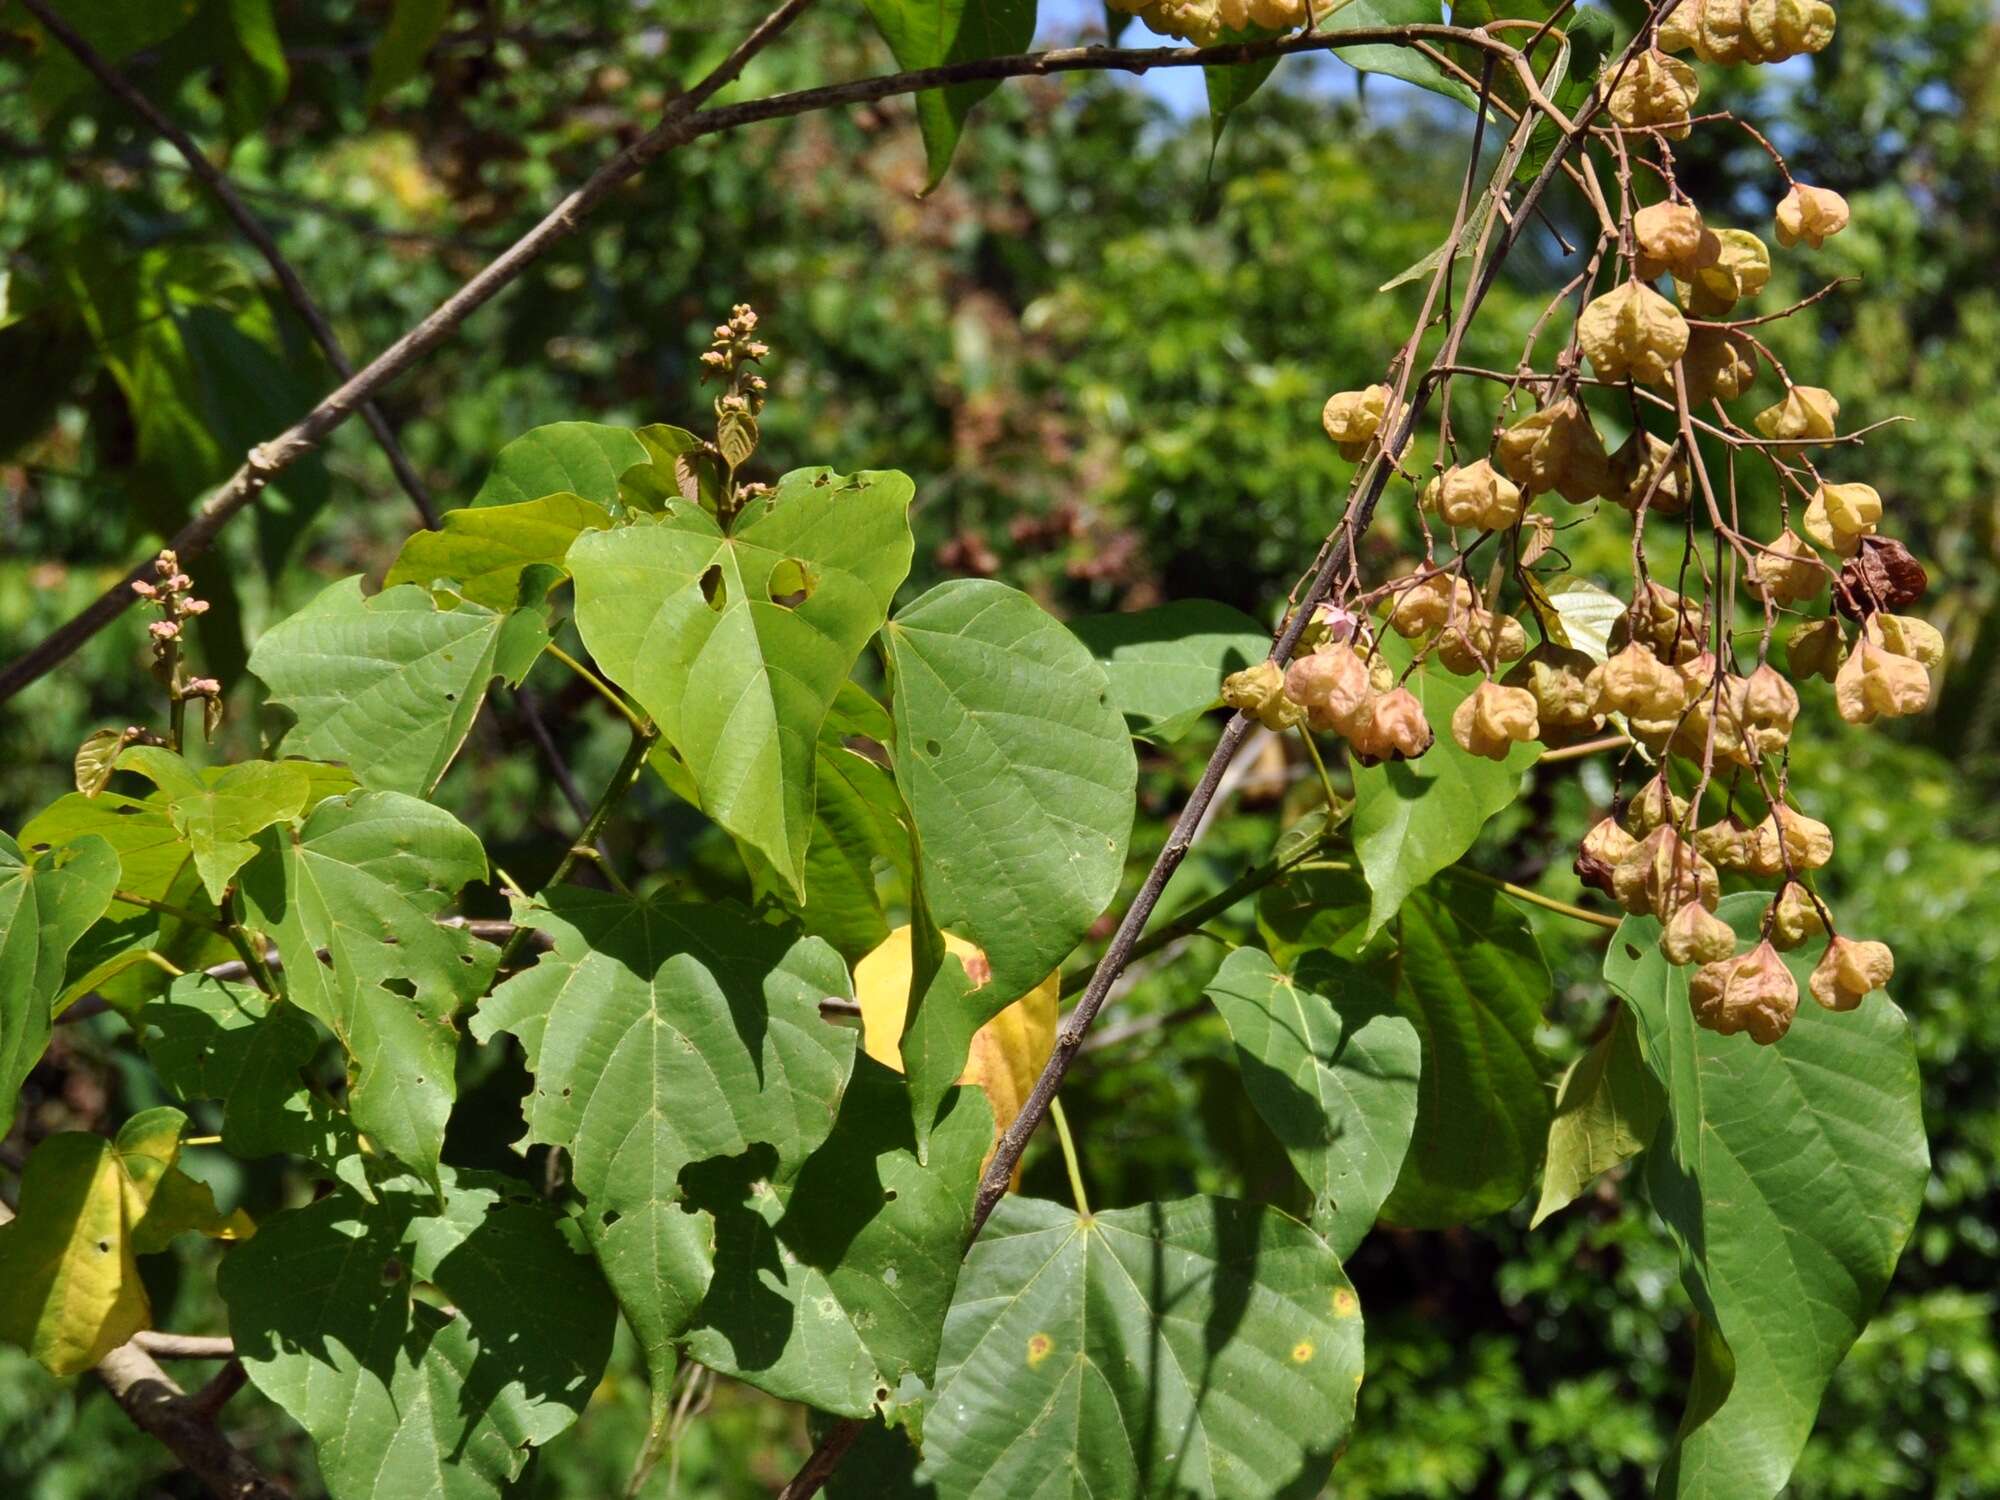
x=682 y=121
x=252 y=229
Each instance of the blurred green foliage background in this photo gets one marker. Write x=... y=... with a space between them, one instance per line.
x=1100 y=349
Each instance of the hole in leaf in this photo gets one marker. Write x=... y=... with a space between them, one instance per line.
x=1630 y=951
x=104 y=1247
x=888 y=1195
x=451 y=697
x=392 y=1271
x=610 y=1217
x=791 y=583
x=400 y=986
x=712 y=588
x=933 y=749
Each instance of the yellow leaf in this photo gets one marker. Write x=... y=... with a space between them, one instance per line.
x=69 y=1274
x=1008 y=1052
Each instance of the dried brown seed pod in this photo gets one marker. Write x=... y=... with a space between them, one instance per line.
x=1839 y=515
x=1742 y=268
x=1671 y=238
x=1880 y=575
x=1639 y=685
x=1259 y=691
x=1695 y=935
x=1476 y=496
x=1632 y=330
x=1718 y=366
x=1848 y=970
x=1493 y=719
x=1794 y=917
x=1674 y=628
x=1395 y=728
x=1877 y=683
x=1353 y=418
x=1556 y=449
x=1426 y=605
x=1644 y=469
x=1747 y=31
x=1788 y=570
x=1816 y=650
x=1754 y=992
x=1655 y=805
x=1657 y=90
x=1662 y=873
x=1332 y=686
x=1807 y=414
x=1810 y=214
x=1601 y=852
x=1479 y=639
x=1558 y=677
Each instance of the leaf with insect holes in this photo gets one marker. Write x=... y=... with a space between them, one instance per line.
x=389 y=686
x=737 y=642
x=399 y=1395
x=218 y=814
x=1203 y=1347
x=484 y=550
x=351 y=899
x=47 y=902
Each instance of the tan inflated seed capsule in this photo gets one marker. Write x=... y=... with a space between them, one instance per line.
x=1810 y=214
x=1478 y=497
x=1718 y=366
x=1352 y=418
x=1655 y=805
x=1711 y=702
x=1424 y=606
x=1794 y=917
x=1479 y=639
x=1559 y=679
x=1807 y=414
x=1754 y=992
x=1742 y=268
x=1877 y=683
x=1788 y=570
x=1644 y=469
x=1259 y=691
x=1394 y=729
x=1656 y=90
x=1332 y=686
x=1638 y=684
x=1906 y=635
x=1695 y=935
x=1727 y=32
x=1673 y=627
x=1729 y=843
x=1839 y=515
x=1671 y=239
x=1816 y=650
x=1493 y=719
x=1601 y=852
x=1662 y=873
x=1769 y=707
x=1807 y=844
x=1848 y=970
x=1632 y=330
x=1556 y=449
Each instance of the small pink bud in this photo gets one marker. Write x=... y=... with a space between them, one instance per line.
x=144 y=589
x=164 y=630
x=194 y=606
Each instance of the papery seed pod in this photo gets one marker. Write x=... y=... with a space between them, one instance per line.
x=1259 y=691
x=1558 y=678
x=1353 y=418
x=1662 y=873
x=1788 y=570
x=1381 y=675
x=1638 y=684
x=1715 y=718
x=1656 y=90
x=1632 y=330
x=1332 y=686
x=1728 y=843
x=1848 y=970
x=1876 y=683
x=1426 y=605
x=1794 y=917
x=1727 y=32
x=1646 y=469
x=1673 y=627
x=1810 y=214
x=1480 y=639
x=1718 y=366
x=1742 y=268
x=1695 y=935
x=1839 y=515
x=1395 y=729
x=1754 y=992
x=1880 y=575
x=1476 y=496
x=1807 y=414
x=1556 y=449
x=1601 y=852
x=1770 y=707
x=1816 y=650
x=1493 y=719
x=1670 y=238
x=1786 y=841
x=1655 y=805
x=1906 y=635
x=1536 y=536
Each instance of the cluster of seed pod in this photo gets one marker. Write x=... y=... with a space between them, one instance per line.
x=1205 y=22
x=1665 y=332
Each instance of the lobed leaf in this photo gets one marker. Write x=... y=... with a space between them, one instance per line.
x=484 y=550
x=583 y=459
x=47 y=902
